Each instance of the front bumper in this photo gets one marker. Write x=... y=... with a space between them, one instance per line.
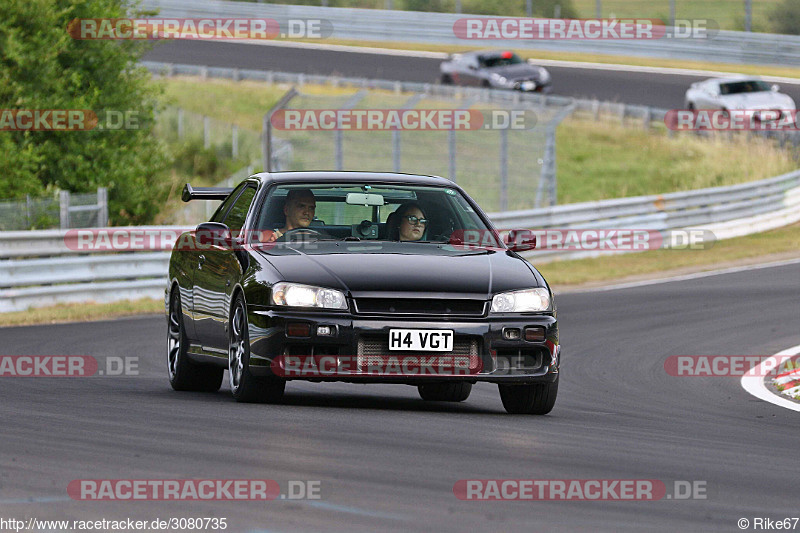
x=353 y=337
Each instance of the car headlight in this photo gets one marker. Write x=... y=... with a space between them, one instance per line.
x=500 y=80
x=524 y=301
x=543 y=74
x=297 y=295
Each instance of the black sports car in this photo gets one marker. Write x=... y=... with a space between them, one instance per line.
x=496 y=69
x=358 y=277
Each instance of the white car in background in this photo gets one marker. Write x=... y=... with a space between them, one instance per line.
x=741 y=93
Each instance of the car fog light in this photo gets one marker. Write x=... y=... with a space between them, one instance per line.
x=511 y=334
x=324 y=331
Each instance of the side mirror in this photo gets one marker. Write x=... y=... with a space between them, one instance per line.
x=214 y=234
x=775 y=87
x=521 y=240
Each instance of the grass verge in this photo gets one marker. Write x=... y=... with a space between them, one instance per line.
x=775 y=245
x=81 y=312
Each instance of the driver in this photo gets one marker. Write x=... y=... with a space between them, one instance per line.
x=299 y=211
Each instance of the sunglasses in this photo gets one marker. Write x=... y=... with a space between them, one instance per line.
x=415 y=220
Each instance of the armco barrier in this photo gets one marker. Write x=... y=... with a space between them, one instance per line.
x=437 y=28
x=38 y=268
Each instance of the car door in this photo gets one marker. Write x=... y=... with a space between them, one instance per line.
x=472 y=76
x=217 y=273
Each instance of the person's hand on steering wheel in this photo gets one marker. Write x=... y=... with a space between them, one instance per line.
x=287 y=236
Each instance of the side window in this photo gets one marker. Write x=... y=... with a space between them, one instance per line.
x=238 y=213
x=222 y=209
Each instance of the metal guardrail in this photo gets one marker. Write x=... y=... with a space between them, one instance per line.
x=437 y=28
x=70 y=277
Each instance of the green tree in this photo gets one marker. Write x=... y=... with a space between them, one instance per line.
x=43 y=67
x=785 y=17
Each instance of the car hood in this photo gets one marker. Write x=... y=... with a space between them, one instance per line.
x=520 y=71
x=759 y=100
x=408 y=268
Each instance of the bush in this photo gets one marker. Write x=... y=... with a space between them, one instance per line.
x=785 y=17
x=43 y=67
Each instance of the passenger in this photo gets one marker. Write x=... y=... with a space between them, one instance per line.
x=409 y=223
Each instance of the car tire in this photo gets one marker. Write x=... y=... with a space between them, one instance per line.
x=486 y=85
x=446 y=79
x=536 y=399
x=690 y=106
x=245 y=387
x=184 y=374
x=445 y=392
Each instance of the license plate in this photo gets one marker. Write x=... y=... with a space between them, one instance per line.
x=422 y=340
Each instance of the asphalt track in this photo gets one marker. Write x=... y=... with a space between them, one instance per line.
x=640 y=88
x=387 y=461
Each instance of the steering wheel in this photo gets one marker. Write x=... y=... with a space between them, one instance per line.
x=299 y=231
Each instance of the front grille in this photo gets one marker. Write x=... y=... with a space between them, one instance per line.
x=420 y=306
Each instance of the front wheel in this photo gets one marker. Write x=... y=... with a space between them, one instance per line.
x=535 y=399
x=185 y=375
x=246 y=387
x=445 y=392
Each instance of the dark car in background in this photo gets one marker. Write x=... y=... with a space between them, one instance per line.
x=343 y=299
x=496 y=69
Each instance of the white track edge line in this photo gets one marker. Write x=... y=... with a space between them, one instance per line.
x=755 y=384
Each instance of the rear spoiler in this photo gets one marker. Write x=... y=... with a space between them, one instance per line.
x=205 y=193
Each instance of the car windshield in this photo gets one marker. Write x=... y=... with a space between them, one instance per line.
x=380 y=212
x=500 y=60
x=748 y=86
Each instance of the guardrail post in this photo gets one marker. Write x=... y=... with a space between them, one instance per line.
x=63 y=204
x=28 y=223
x=102 y=207
x=646 y=119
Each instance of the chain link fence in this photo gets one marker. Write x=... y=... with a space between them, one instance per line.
x=64 y=210
x=178 y=124
x=503 y=168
